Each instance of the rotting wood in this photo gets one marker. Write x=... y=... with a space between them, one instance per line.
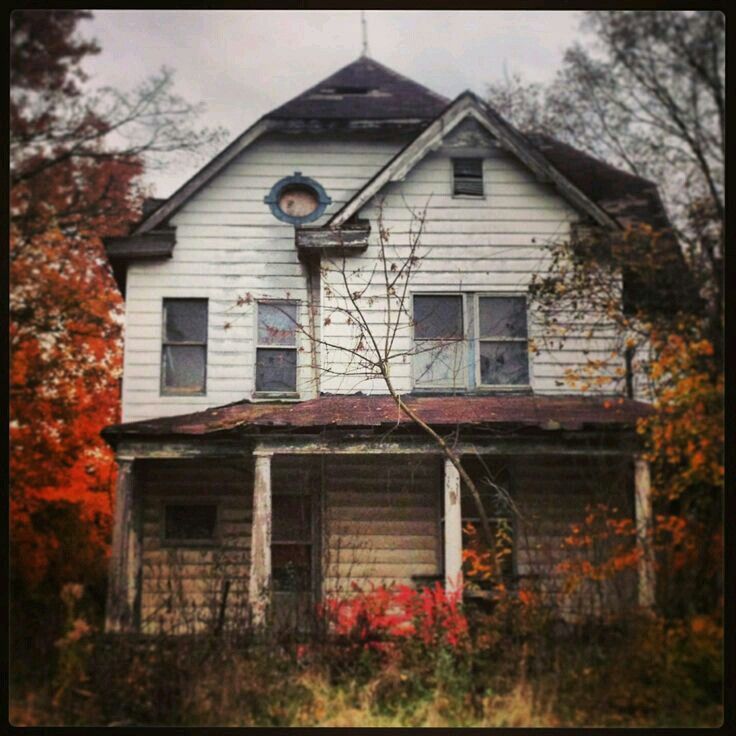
x=125 y=557
x=310 y=446
x=259 y=584
x=351 y=237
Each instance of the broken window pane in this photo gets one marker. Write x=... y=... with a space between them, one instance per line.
x=438 y=317
x=190 y=522
x=184 y=368
x=439 y=365
x=502 y=316
x=504 y=363
x=276 y=324
x=185 y=320
x=275 y=369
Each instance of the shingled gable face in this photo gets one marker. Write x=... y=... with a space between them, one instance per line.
x=234 y=416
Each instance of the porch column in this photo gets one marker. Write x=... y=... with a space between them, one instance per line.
x=643 y=511
x=453 y=529
x=125 y=561
x=259 y=584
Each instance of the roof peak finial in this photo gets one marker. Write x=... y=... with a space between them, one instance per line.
x=364 y=28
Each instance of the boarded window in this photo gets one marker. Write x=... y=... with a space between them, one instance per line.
x=468 y=176
x=502 y=333
x=276 y=351
x=190 y=523
x=439 y=346
x=184 y=348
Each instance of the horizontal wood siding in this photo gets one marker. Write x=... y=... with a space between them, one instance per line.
x=381 y=520
x=182 y=586
x=490 y=244
x=228 y=244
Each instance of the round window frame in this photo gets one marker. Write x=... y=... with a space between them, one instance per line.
x=297 y=180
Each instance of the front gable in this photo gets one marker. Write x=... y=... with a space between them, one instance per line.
x=468 y=107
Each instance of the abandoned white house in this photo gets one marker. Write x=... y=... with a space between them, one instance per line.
x=261 y=460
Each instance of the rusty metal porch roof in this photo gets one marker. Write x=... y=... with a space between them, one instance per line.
x=360 y=411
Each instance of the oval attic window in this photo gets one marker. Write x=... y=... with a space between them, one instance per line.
x=297 y=199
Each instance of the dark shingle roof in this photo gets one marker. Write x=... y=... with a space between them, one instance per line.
x=364 y=89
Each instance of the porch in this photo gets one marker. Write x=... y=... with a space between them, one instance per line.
x=211 y=530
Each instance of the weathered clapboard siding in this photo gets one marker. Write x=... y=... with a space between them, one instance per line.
x=182 y=586
x=381 y=520
x=489 y=245
x=228 y=245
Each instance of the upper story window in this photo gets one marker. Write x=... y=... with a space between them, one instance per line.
x=463 y=341
x=184 y=347
x=276 y=348
x=439 y=341
x=467 y=177
x=502 y=338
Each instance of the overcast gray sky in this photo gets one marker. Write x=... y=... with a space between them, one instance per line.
x=243 y=63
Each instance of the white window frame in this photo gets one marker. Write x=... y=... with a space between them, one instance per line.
x=477 y=339
x=275 y=394
x=460 y=385
x=165 y=390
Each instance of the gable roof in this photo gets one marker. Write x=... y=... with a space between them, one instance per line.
x=602 y=190
x=470 y=105
x=367 y=90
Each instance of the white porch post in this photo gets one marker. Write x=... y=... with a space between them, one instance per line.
x=259 y=584
x=125 y=560
x=453 y=529
x=643 y=511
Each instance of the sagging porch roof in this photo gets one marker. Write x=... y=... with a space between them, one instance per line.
x=351 y=411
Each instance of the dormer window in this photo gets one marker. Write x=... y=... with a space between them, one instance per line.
x=467 y=177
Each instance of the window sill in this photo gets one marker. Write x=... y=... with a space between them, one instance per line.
x=287 y=395
x=469 y=196
x=182 y=393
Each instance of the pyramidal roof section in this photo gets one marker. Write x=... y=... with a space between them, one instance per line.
x=363 y=90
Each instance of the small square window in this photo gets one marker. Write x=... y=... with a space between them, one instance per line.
x=184 y=346
x=190 y=522
x=467 y=177
x=276 y=351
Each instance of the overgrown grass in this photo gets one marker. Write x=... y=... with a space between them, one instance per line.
x=513 y=670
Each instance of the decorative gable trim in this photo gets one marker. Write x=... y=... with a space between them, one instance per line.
x=468 y=105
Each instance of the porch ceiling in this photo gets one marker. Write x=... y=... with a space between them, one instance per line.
x=541 y=412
